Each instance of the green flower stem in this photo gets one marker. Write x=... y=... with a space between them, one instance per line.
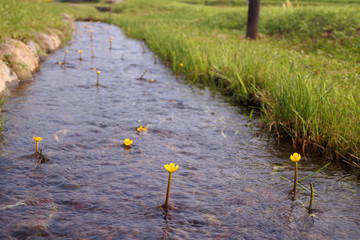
x=311 y=197
x=295 y=178
x=64 y=58
x=92 y=51
x=178 y=73
x=168 y=190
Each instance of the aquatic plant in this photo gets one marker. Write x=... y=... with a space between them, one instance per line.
x=178 y=72
x=155 y=57
x=60 y=63
x=98 y=77
x=37 y=140
x=295 y=158
x=91 y=34
x=92 y=51
x=80 y=52
x=110 y=41
x=128 y=142
x=141 y=77
x=170 y=168
x=141 y=129
x=122 y=56
x=65 y=53
x=143 y=48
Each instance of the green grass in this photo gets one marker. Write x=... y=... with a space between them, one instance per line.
x=231 y=3
x=305 y=83
x=20 y=19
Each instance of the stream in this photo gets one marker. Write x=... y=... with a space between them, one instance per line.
x=228 y=183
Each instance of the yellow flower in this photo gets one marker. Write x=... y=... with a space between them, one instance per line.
x=171 y=167
x=80 y=51
x=128 y=141
x=94 y=69
x=295 y=157
x=91 y=30
x=59 y=62
x=98 y=72
x=38 y=139
x=66 y=51
x=181 y=65
x=141 y=129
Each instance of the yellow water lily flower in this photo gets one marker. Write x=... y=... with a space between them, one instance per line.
x=59 y=62
x=128 y=141
x=181 y=65
x=98 y=72
x=80 y=51
x=38 y=139
x=94 y=69
x=141 y=129
x=295 y=157
x=171 y=167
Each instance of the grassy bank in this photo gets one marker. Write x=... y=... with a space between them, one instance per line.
x=303 y=72
x=20 y=19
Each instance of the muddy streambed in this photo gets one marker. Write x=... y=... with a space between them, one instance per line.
x=93 y=188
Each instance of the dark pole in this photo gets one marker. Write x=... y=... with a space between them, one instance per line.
x=253 y=19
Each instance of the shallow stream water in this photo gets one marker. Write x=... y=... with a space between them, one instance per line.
x=94 y=188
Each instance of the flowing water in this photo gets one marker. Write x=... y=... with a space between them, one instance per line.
x=92 y=187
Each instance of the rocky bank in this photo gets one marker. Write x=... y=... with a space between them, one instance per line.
x=20 y=59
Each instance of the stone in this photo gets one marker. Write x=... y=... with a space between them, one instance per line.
x=35 y=48
x=46 y=42
x=58 y=33
x=8 y=77
x=55 y=38
x=20 y=57
x=69 y=22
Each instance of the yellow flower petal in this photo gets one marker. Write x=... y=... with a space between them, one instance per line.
x=171 y=167
x=38 y=139
x=295 y=157
x=128 y=141
x=141 y=129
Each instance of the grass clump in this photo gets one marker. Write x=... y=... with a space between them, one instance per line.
x=307 y=91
